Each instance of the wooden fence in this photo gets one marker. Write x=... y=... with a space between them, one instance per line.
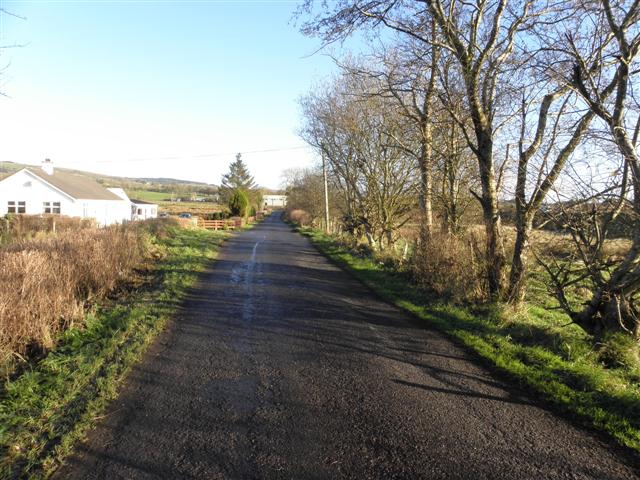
x=228 y=224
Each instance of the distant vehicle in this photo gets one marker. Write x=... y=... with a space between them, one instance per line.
x=185 y=215
x=163 y=215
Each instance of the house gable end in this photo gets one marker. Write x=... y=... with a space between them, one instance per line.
x=31 y=175
x=40 y=179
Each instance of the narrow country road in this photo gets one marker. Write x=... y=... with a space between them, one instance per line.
x=280 y=365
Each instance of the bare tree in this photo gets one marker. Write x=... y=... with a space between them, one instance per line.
x=407 y=74
x=556 y=134
x=305 y=191
x=358 y=135
x=481 y=37
x=5 y=47
x=602 y=51
x=455 y=169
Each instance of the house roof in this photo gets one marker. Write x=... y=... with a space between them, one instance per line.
x=119 y=192
x=142 y=202
x=76 y=186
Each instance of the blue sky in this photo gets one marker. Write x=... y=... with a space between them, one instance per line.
x=117 y=87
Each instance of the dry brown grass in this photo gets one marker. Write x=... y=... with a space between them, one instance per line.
x=561 y=245
x=47 y=283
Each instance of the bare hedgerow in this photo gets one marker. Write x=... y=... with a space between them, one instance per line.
x=47 y=283
x=451 y=266
x=299 y=217
x=14 y=228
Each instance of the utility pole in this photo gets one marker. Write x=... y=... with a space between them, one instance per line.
x=326 y=194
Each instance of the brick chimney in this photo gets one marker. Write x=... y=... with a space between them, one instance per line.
x=47 y=166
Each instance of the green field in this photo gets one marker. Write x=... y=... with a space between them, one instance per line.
x=148 y=195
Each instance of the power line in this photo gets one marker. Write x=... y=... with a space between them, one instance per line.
x=201 y=156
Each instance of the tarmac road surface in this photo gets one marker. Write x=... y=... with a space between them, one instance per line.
x=280 y=365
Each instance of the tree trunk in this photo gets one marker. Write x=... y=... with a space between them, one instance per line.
x=390 y=242
x=611 y=307
x=518 y=274
x=609 y=312
x=370 y=240
x=426 y=153
x=426 y=192
x=495 y=256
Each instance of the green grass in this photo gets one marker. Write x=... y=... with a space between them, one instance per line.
x=44 y=411
x=149 y=196
x=535 y=346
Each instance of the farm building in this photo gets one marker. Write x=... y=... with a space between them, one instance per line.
x=274 y=201
x=45 y=190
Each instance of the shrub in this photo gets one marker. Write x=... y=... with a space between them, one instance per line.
x=299 y=216
x=450 y=266
x=238 y=203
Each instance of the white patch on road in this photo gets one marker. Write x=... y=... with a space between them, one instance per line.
x=247 y=307
x=253 y=253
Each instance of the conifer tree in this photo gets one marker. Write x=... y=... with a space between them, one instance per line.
x=237 y=178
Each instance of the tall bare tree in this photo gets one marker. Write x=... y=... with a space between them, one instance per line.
x=481 y=37
x=407 y=74
x=603 y=53
x=555 y=133
x=358 y=135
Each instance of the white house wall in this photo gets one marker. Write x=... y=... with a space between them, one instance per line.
x=275 y=200
x=105 y=212
x=28 y=188
x=23 y=187
x=144 y=211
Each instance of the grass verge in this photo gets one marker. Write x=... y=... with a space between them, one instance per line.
x=552 y=361
x=46 y=409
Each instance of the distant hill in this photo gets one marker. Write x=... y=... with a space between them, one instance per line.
x=7 y=168
x=164 y=180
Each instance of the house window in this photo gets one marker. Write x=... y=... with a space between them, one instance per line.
x=16 y=207
x=139 y=211
x=51 y=207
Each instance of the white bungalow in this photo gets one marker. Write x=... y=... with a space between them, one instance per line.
x=35 y=191
x=141 y=210
x=274 y=201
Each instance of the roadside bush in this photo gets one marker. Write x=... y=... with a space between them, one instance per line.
x=157 y=227
x=299 y=217
x=238 y=203
x=451 y=267
x=47 y=283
